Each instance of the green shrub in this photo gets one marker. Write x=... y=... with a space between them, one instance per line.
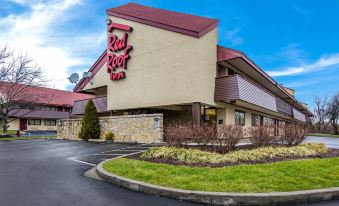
x=90 y=128
x=109 y=136
x=197 y=156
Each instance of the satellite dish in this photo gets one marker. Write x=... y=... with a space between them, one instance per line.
x=74 y=78
x=87 y=74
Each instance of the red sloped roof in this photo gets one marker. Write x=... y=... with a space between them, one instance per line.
x=191 y=25
x=48 y=96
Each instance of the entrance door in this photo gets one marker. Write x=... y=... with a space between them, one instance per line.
x=23 y=124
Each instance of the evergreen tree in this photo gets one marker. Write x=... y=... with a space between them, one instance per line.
x=90 y=128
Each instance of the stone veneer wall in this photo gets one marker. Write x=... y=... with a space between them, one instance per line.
x=144 y=128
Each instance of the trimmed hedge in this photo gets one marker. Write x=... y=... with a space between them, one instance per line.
x=197 y=156
x=90 y=128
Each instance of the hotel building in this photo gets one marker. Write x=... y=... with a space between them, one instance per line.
x=42 y=111
x=159 y=61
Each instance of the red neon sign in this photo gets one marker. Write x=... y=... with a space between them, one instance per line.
x=114 y=45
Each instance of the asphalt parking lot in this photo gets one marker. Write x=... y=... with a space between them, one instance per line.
x=50 y=172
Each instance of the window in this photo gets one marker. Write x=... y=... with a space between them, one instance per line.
x=221 y=71
x=49 y=122
x=230 y=72
x=208 y=114
x=34 y=122
x=268 y=121
x=239 y=118
x=255 y=120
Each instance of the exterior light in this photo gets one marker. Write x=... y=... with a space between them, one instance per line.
x=108 y=21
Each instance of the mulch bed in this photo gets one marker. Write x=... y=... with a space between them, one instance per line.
x=331 y=153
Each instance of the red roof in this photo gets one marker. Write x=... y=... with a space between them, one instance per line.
x=191 y=25
x=48 y=96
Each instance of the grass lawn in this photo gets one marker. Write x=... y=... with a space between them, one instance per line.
x=324 y=135
x=279 y=176
x=31 y=137
x=10 y=132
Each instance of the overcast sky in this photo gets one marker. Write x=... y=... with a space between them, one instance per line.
x=296 y=42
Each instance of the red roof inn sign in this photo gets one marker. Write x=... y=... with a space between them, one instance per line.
x=117 y=51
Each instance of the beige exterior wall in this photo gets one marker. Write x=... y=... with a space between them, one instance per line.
x=165 y=68
x=227 y=114
x=41 y=127
x=13 y=125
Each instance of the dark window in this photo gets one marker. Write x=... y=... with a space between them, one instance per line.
x=67 y=109
x=34 y=122
x=221 y=71
x=255 y=120
x=239 y=118
x=60 y=109
x=48 y=122
x=230 y=71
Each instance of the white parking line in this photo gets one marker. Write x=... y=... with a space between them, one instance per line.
x=121 y=149
x=83 y=162
x=105 y=154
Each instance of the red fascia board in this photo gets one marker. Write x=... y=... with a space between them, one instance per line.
x=166 y=27
x=94 y=69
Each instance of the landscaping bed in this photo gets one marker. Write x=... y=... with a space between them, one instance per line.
x=269 y=177
x=196 y=157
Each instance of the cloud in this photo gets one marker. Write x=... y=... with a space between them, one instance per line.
x=325 y=62
x=233 y=37
x=38 y=31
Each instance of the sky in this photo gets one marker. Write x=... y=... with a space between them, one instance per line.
x=296 y=42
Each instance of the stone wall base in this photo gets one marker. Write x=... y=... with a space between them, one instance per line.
x=144 y=128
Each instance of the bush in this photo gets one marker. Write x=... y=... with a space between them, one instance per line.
x=109 y=136
x=90 y=128
x=178 y=134
x=228 y=136
x=204 y=134
x=262 y=135
x=265 y=153
x=294 y=134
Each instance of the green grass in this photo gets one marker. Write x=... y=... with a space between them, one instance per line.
x=27 y=138
x=278 y=177
x=324 y=135
x=10 y=132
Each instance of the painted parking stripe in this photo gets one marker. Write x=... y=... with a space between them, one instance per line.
x=88 y=161
x=83 y=162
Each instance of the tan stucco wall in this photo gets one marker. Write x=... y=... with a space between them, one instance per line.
x=227 y=114
x=13 y=125
x=40 y=127
x=165 y=68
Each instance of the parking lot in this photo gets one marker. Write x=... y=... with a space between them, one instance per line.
x=50 y=172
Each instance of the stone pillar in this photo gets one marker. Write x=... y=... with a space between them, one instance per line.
x=196 y=113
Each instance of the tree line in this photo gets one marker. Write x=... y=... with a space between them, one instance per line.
x=326 y=114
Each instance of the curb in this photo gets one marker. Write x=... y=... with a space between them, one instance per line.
x=221 y=198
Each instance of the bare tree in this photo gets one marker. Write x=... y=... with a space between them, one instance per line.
x=319 y=112
x=18 y=75
x=332 y=111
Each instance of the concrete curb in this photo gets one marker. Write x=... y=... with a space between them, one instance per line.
x=221 y=198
